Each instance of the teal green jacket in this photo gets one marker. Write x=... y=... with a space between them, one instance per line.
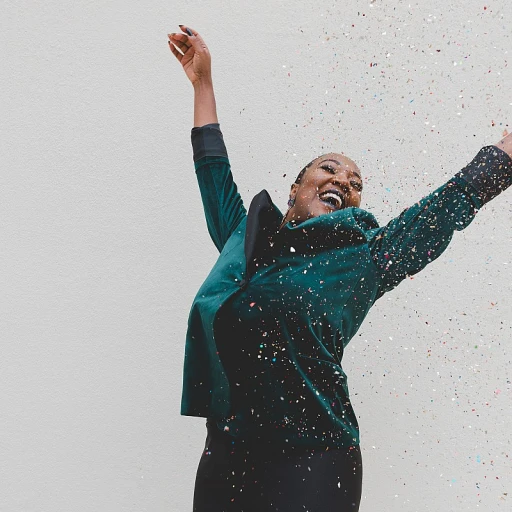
x=287 y=302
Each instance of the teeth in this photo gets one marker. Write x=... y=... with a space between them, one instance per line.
x=336 y=198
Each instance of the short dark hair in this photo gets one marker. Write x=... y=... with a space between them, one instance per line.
x=298 y=179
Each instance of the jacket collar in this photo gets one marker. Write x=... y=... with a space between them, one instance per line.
x=339 y=229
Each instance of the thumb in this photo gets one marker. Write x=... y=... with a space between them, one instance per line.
x=194 y=38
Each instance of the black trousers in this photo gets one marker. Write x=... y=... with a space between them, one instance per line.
x=237 y=475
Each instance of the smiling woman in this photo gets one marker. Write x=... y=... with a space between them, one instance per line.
x=329 y=183
x=268 y=327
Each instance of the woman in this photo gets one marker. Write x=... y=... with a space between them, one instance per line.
x=269 y=325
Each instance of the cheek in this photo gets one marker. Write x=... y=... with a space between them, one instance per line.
x=355 y=198
x=306 y=197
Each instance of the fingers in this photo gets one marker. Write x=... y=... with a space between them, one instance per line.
x=194 y=38
x=175 y=52
x=180 y=41
x=188 y=45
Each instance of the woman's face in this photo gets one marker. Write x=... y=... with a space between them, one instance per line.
x=331 y=183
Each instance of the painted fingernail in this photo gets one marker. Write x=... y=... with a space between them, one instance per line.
x=188 y=31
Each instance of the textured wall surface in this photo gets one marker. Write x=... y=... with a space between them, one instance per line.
x=104 y=244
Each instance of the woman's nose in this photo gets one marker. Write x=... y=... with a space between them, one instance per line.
x=342 y=182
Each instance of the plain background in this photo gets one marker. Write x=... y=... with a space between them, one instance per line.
x=104 y=244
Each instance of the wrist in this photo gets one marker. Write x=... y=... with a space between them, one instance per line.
x=203 y=84
x=505 y=144
x=205 y=110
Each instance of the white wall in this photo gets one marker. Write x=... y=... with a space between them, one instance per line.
x=103 y=241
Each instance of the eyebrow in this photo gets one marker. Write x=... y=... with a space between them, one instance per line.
x=340 y=164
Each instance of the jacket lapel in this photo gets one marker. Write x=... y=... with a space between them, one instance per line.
x=262 y=220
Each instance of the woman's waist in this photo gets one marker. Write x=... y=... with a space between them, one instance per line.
x=324 y=433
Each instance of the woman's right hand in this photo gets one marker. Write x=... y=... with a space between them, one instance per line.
x=193 y=54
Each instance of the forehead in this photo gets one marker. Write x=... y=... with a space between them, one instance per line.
x=340 y=161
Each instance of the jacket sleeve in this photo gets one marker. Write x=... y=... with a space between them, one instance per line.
x=223 y=205
x=422 y=232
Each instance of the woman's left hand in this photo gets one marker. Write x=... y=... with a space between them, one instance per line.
x=505 y=144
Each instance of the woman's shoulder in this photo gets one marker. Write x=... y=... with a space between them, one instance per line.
x=363 y=218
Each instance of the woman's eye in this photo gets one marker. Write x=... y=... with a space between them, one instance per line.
x=358 y=186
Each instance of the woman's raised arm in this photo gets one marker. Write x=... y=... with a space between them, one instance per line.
x=223 y=205
x=195 y=58
x=422 y=232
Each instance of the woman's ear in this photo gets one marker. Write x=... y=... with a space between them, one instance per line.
x=293 y=190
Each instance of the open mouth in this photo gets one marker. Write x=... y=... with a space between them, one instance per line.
x=333 y=198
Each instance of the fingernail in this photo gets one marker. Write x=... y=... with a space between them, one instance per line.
x=188 y=31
